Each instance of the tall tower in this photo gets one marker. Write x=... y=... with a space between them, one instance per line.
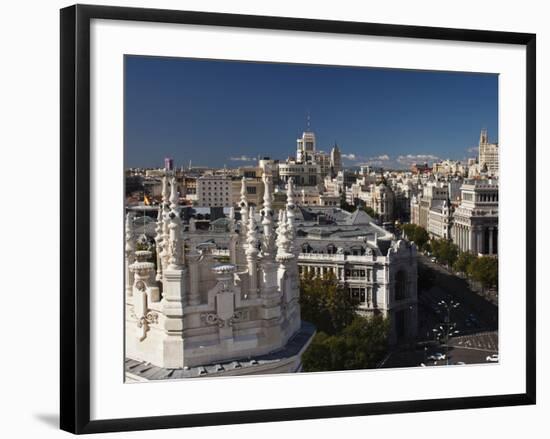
x=305 y=145
x=168 y=164
x=488 y=153
x=335 y=160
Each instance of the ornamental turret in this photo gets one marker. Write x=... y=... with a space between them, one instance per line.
x=267 y=220
x=130 y=248
x=252 y=254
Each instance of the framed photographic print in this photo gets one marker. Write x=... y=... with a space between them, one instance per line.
x=268 y=218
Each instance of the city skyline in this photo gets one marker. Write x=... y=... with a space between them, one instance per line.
x=390 y=118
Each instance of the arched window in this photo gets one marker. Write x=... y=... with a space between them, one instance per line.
x=401 y=285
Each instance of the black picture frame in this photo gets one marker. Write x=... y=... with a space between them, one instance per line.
x=75 y=217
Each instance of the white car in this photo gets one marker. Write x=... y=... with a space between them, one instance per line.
x=437 y=356
x=492 y=358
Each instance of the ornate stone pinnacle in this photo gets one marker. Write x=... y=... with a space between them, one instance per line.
x=282 y=234
x=173 y=194
x=165 y=190
x=174 y=244
x=290 y=194
x=130 y=243
x=267 y=218
x=252 y=236
x=243 y=189
x=158 y=242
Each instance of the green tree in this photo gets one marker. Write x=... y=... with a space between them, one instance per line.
x=444 y=251
x=485 y=271
x=344 y=205
x=463 y=262
x=361 y=345
x=325 y=303
x=417 y=234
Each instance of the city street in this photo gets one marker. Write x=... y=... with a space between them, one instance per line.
x=476 y=322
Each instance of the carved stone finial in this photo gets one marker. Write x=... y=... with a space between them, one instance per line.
x=283 y=242
x=165 y=194
x=252 y=235
x=290 y=194
x=130 y=243
x=267 y=218
x=243 y=189
x=173 y=194
x=158 y=243
x=243 y=204
x=174 y=243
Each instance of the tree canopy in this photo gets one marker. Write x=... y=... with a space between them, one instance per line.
x=444 y=251
x=485 y=271
x=463 y=262
x=417 y=234
x=344 y=340
x=361 y=345
x=325 y=303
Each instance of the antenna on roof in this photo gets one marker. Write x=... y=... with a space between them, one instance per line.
x=308 y=121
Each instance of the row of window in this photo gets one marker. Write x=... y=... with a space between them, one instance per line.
x=488 y=197
x=363 y=295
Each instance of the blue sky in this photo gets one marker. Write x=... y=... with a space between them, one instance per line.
x=218 y=113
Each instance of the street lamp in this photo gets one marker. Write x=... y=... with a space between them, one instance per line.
x=447 y=328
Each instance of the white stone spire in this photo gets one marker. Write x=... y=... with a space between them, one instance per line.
x=290 y=210
x=158 y=242
x=267 y=218
x=252 y=254
x=165 y=222
x=175 y=242
x=173 y=194
x=130 y=248
x=252 y=235
x=244 y=208
x=283 y=242
x=165 y=194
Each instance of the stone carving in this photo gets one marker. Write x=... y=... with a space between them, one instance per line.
x=144 y=323
x=211 y=318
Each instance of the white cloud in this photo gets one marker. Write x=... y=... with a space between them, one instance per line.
x=473 y=150
x=351 y=157
x=377 y=161
x=242 y=158
x=374 y=163
x=410 y=159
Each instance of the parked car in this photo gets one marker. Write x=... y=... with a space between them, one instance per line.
x=492 y=358
x=437 y=356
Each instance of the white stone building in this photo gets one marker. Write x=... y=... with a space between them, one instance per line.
x=213 y=191
x=488 y=154
x=373 y=266
x=189 y=315
x=440 y=219
x=475 y=221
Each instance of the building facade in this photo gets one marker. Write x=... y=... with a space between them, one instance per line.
x=488 y=154
x=475 y=221
x=369 y=262
x=213 y=191
x=190 y=315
